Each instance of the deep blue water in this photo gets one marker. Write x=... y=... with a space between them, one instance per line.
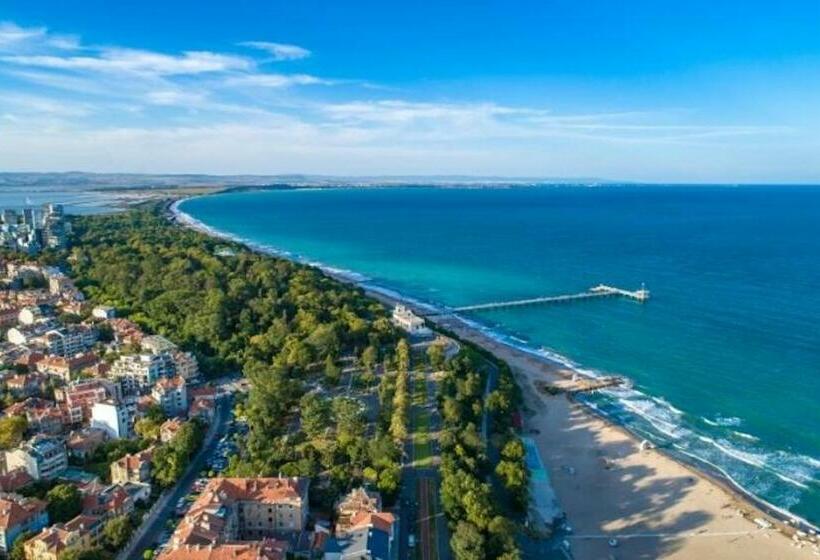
x=725 y=357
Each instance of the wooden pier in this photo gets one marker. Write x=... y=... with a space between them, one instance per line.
x=601 y=290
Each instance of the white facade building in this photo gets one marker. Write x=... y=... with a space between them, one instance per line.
x=112 y=417
x=139 y=372
x=43 y=457
x=406 y=320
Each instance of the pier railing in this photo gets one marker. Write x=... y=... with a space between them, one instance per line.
x=601 y=290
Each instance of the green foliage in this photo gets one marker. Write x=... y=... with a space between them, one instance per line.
x=229 y=311
x=17 y=551
x=170 y=459
x=513 y=472
x=117 y=531
x=349 y=419
x=479 y=530
x=12 y=429
x=64 y=503
x=315 y=411
x=467 y=542
x=85 y=554
x=435 y=355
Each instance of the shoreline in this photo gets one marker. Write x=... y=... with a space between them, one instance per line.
x=529 y=365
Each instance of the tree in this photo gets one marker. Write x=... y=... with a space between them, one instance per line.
x=435 y=355
x=18 y=552
x=389 y=480
x=514 y=473
x=64 y=503
x=368 y=358
x=315 y=414
x=467 y=542
x=348 y=415
x=117 y=531
x=147 y=428
x=77 y=553
x=333 y=372
x=12 y=429
x=402 y=356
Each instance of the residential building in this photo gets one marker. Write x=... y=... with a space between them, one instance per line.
x=15 y=479
x=231 y=509
x=66 y=341
x=126 y=331
x=83 y=531
x=169 y=429
x=65 y=367
x=80 y=444
x=42 y=456
x=18 y=515
x=104 y=312
x=134 y=468
x=171 y=395
x=185 y=364
x=157 y=344
x=79 y=397
x=363 y=531
x=30 y=315
x=109 y=500
x=112 y=417
x=264 y=550
x=139 y=372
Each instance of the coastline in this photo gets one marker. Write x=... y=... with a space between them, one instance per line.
x=725 y=511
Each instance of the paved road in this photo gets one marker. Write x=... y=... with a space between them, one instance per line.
x=152 y=527
x=414 y=479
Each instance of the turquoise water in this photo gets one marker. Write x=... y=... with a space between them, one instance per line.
x=725 y=358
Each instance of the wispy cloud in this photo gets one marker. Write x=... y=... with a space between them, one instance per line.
x=279 y=51
x=220 y=111
x=137 y=61
x=13 y=37
x=276 y=80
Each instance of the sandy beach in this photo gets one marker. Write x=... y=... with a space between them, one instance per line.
x=609 y=488
x=653 y=505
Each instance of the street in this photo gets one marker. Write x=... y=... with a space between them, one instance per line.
x=151 y=528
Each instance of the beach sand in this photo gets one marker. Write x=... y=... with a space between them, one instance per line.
x=609 y=488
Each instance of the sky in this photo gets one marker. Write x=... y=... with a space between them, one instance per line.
x=655 y=91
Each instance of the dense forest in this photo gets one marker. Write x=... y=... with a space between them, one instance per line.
x=229 y=310
x=287 y=327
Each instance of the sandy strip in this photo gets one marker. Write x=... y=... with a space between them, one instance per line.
x=653 y=505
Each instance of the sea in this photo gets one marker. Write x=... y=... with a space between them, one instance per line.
x=76 y=200
x=723 y=360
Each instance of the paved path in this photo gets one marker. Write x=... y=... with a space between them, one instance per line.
x=152 y=527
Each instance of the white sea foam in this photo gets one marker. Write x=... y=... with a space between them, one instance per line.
x=744 y=435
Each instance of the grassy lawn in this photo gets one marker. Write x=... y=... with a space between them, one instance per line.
x=422 y=447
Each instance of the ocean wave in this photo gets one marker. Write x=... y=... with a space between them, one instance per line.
x=730 y=421
x=744 y=435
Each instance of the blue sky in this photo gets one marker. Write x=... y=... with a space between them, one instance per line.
x=650 y=91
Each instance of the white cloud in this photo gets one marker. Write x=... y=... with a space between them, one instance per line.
x=14 y=38
x=275 y=80
x=138 y=61
x=279 y=51
x=11 y=34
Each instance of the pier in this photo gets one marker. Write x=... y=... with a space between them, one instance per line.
x=599 y=291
